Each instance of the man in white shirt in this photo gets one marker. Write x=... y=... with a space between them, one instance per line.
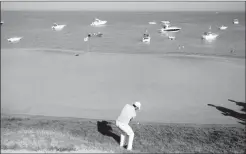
x=127 y=114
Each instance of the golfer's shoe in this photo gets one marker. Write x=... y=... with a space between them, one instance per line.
x=129 y=149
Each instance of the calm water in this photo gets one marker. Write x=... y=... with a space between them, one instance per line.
x=124 y=31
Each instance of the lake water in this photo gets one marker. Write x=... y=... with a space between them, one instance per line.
x=124 y=31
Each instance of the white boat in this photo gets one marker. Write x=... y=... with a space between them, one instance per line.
x=14 y=39
x=168 y=28
x=2 y=22
x=98 y=22
x=86 y=39
x=171 y=37
x=222 y=27
x=235 y=21
x=146 y=38
x=98 y=34
x=57 y=27
x=152 y=22
x=165 y=22
x=209 y=36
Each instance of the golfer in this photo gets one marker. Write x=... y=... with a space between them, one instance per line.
x=127 y=114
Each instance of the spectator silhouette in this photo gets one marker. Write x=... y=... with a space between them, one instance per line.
x=229 y=112
x=239 y=104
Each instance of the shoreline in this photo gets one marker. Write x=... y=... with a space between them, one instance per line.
x=171 y=54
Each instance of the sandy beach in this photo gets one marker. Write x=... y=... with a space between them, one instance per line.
x=172 y=88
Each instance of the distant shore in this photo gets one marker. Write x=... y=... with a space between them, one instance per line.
x=173 y=53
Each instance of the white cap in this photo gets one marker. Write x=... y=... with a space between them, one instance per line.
x=137 y=104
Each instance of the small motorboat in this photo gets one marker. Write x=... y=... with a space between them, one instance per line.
x=14 y=39
x=146 y=38
x=165 y=22
x=222 y=27
x=168 y=28
x=2 y=22
x=235 y=21
x=209 y=36
x=152 y=22
x=98 y=34
x=171 y=37
x=86 y=39
x=57 y=27
x=98 y=22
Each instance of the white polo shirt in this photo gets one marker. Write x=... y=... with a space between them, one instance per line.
x=126 y=114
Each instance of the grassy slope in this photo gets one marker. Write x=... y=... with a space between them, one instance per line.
x=71 y=134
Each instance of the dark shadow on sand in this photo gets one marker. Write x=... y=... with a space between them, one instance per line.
x=105 y=129
x=232 y=113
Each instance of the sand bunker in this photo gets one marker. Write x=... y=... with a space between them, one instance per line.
x=172 y=89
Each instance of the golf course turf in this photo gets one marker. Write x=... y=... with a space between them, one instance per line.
x=40 y=133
